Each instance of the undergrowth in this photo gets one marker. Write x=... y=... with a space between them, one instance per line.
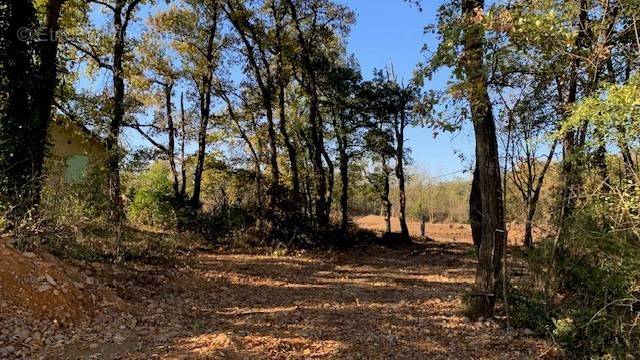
x=589 y=303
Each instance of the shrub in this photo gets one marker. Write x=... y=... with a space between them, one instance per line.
x=600 y=272
x=595 y=283
x=530 y=309
x=152 y=198
x=74 y=204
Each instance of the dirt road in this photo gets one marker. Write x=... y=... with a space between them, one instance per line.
x=373 y=303
x=365 y=303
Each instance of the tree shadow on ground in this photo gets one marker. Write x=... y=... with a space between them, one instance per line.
x=364 y=303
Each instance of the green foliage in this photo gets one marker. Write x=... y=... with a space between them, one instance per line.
x=602 y=272
x=596 y=286
x=530 y=310
x=614 y=111
x=152 y=198
x=75 y=204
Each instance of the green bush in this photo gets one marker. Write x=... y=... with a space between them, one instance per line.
x=594 y=309
x=531 y=310
x=74 y=204
x=600 y=270
x=151 y=202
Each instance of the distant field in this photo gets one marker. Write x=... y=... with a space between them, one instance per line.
x=440 y=232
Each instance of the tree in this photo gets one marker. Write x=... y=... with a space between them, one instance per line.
x=402 y=104
x=114 y=45
x=22 y=135
x=251 y=33
x=238 y=117
x=346 y=101
x=159 y=75
x=282 y=49
x=48 y=67
x=195 y=34
x=528 y=117
x=311 y=19
x=379 y=142
x=493 y=229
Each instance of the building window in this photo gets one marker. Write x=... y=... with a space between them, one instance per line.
x=76 y=169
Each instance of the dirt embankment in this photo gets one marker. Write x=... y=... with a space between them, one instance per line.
x=42 y=299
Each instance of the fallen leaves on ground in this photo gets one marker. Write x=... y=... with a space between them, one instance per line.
x=365 y=303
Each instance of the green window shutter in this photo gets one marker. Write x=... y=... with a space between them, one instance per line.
x=76 y=169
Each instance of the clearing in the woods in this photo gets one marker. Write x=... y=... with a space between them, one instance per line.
x=365 y=303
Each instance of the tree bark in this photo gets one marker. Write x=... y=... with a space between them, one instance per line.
x=475 y=209
x=528 y=233
x=572 y=140
x=341 y=140
x=400 y=173
x=205 y=109
x=114 y=153
x=386 y=203
x=171 y=146
x=183 y=140
x=330 y=184
x=482 y=301
x=48 y=73
x=344 y=196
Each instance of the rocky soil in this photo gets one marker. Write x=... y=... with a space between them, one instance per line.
x=365 y=303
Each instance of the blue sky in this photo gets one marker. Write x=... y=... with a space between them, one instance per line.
x=392 y=31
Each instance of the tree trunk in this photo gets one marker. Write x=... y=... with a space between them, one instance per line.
x=183 y=167
x=252 y=149
x=202 y=149
x=528 y=235
x=273 y=153
x=205 y=109
x=344 y=196
x=19 y=159
x=261 y=70
x=330 y=184
x=171 y=148
x=482 y=301
x=534 y=197
x=282 y=85
x=571 y=143
x=114 y=153
x=400 y=174
x=48 y=81
x=342 y=140
x=386 y=203
x=319 y=171
x=475 y=209
x=291 y=149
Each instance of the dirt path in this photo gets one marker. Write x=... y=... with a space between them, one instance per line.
x=367 y=303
